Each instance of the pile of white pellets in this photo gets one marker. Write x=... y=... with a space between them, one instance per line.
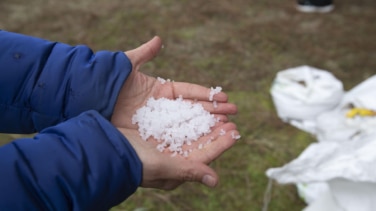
x=174 y=123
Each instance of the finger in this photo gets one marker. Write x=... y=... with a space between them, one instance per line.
x=221 y=144
x=222 y=139
x=190 y=171
x=164 y=184
x=145 y=52
x=221 y=118
x=171 y=184
x=196 y=92
x=220 y=108
x=220 y=129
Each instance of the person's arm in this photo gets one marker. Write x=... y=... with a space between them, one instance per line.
x=43 y=83
x=82 y=164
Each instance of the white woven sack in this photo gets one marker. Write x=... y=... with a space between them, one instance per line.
x=337 y=125
x=348 y=167
x=303 y=92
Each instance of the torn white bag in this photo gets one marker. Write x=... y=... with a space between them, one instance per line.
x=353 y=118
x=348 y=167
x=309 y=192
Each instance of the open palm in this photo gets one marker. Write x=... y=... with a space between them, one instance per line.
x=159 y=169
x=139 y=87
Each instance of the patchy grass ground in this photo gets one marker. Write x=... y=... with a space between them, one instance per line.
x=239 y=45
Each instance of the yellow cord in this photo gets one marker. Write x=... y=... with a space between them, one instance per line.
x=362 y=112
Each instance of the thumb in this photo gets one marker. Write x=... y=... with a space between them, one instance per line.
x=145 y=52
x=192 y=171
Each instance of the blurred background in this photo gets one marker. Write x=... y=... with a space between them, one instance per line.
x=239 y=45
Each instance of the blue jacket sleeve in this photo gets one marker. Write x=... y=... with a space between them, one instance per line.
x=43 y=83
x=82 y=164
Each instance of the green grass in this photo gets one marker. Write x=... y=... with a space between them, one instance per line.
x=239 y=45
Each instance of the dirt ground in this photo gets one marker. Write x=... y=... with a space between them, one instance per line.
x=239 y=45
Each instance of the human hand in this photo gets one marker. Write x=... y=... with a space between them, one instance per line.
x=160 y=170
x=138 y=88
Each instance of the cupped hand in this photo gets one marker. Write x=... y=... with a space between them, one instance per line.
x=138 y=88
x=161 y=170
